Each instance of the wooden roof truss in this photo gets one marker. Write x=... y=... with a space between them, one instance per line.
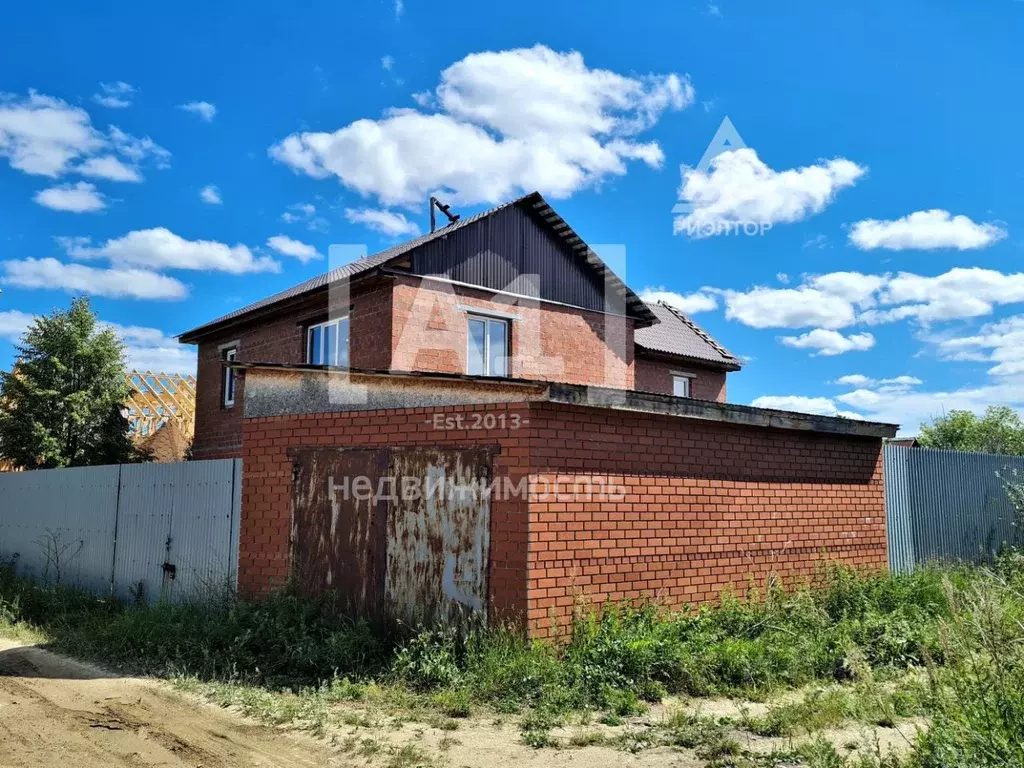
x=158 y=397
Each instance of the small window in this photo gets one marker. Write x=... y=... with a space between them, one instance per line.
x=327 y=343
x=230 y=377
x=681 y=386
x=487 y=353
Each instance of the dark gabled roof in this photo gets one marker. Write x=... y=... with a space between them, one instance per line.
x=677 y=335
x=534 y=203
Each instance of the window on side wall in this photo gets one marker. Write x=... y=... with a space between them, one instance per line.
x=681 y=385
x=230 y=377
x=488 y=346
x=327 y=343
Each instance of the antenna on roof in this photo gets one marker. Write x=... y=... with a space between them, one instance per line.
x=445 y=209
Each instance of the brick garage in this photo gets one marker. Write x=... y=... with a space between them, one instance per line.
x=627 y=495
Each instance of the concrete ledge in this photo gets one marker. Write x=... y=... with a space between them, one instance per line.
x=650 y=402
x=279 y=389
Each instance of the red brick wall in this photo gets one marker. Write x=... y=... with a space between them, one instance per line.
x=655 y=375
x=703 y=506
x=218 y=428
x=218 y=432
x=549 y=343
x=416 y=325
x=264 y=557
x=676 y=509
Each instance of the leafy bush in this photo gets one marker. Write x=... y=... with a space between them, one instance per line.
x=978 y=718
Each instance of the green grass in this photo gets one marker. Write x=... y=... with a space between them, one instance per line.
x=821 y=708
x=615 y=660
x=290 y=660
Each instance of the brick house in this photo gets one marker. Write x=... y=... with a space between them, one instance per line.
x=511 y=292
x=487 y=419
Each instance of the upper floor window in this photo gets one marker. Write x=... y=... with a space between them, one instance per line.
x=327 y=343
x=230 y=377
x=681 y=386
x=488 y=351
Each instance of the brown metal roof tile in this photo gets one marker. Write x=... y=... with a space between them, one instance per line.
x=676 y=334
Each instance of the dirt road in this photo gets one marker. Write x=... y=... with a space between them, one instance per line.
x=55 y=711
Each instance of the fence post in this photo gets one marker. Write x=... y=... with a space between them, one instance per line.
x=117 y=520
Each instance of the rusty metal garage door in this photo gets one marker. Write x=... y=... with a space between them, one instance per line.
x=339 y=538
x=403 y=533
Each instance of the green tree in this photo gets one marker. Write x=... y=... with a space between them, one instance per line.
x=1000 y=430
x=61 y=404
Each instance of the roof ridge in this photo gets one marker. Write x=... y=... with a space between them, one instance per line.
x=699 y=331
x=541 y=209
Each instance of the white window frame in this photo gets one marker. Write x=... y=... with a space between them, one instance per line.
x=336 y=322
x=685 y=378
x=229 y=354
x=487 y=319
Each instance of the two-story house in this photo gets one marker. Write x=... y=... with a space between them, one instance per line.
x=512 y=292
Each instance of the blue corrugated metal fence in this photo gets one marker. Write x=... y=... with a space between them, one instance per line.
x=948 y=505
x=140 y=531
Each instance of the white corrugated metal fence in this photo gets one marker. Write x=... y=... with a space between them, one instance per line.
x=948 y=505
x=140 y=531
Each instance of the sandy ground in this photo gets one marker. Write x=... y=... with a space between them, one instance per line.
x=59 y=712
x=56 y=711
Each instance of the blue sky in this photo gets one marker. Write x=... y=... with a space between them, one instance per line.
x=178 y=163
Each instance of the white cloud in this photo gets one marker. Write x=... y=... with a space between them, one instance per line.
x=305 y=213
x=821 y=406
x=911 y=407
x=388 y=62
x=507 y=122
x=899 y=400
x=137 y=150
x=210 y=194
x=41 y=135
x=50 y=274
x=76 y=198
x=114 y=95
x=146 y=349
x=294 y=248
x=160 y=248
x=838 y=300
x=830 y=343
x=150 y=349
x=800 y=307
x=204 y=109
x=44 y=136
x=857 y=288
x=956 y=294
x=1001 y=343
x=109 y=167
x=387 y=223
x=170 y=357
x=689 y=304
x=740 y=189
x=13 y=324
x=853 y=380
x=399 y=9
x=925 y=231
x=897 y=383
